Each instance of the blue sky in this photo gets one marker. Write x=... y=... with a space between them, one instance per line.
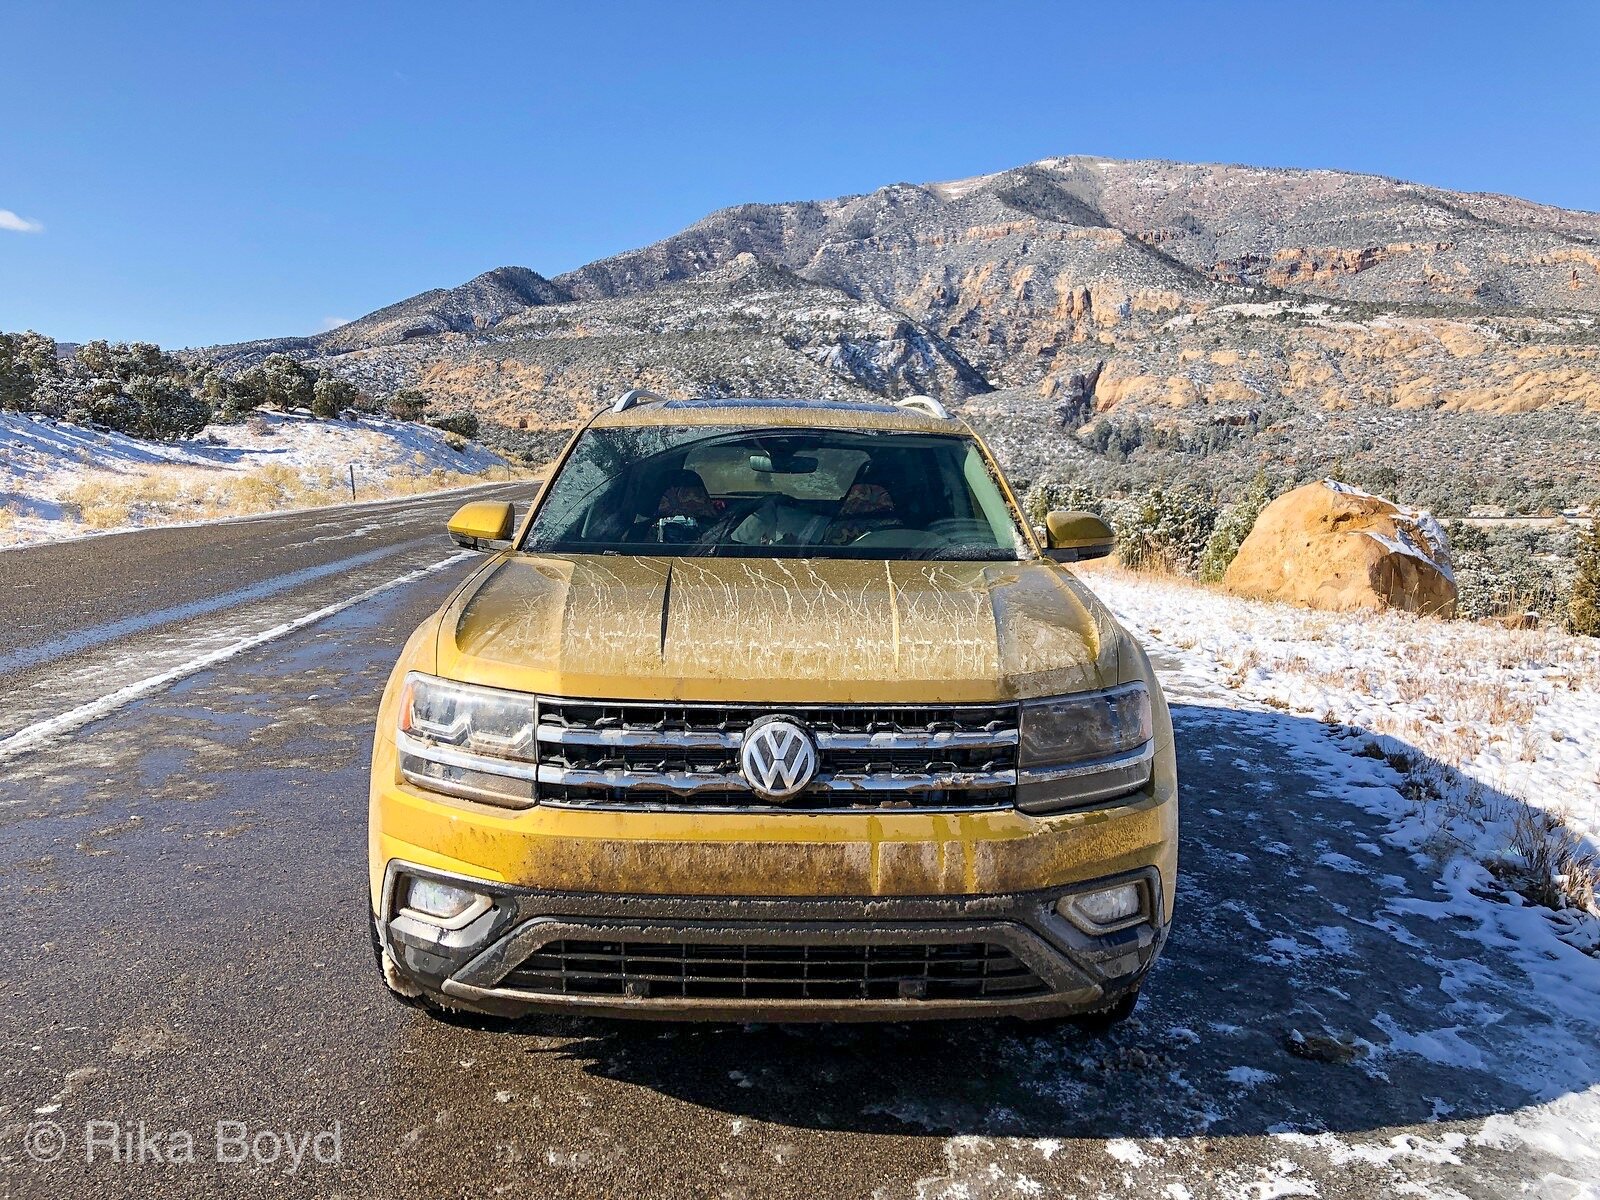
x=207 y=173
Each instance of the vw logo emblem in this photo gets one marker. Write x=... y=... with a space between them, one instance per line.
x=778 y=757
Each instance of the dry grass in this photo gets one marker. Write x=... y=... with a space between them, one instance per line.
x=1558 y=869
x=198 y=494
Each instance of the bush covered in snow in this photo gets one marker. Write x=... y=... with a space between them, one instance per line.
x=139 y=389
x=1163 y=530
x=134 y=388
x=462 y=421
x=1511 y=569
x=331 y=396
x=26 y=360
x=408 y=404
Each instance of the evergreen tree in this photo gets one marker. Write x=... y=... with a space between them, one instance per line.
x=1583 y=605
x=287 y=383
x=330 y=396
x=462 y=421
x=408 y=404
x=139 y=389
x=27 y=363
x=1232 y=529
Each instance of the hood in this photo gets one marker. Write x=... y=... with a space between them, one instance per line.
x=782 y=630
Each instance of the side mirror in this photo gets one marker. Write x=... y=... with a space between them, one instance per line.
x=1076 y=536
x=481 y=522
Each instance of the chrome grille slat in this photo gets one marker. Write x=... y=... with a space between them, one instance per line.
x=688 y=783
x=627 y=754
x=907 y=740
x=629 y=738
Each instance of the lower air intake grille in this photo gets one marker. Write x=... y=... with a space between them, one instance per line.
x=941 y=971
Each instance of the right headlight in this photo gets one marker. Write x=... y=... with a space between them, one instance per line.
x=469 y=741
x=1084 y=748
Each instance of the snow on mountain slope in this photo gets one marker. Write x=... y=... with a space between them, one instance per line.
x=59 y=480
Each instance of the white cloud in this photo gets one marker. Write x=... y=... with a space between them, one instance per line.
x=10 y=220
x=333 y=323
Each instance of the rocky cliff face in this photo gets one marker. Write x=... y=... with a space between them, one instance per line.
x=1048 y=298
x=744 y=328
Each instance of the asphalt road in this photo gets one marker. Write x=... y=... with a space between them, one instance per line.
x=183 y=885
x=84 y=618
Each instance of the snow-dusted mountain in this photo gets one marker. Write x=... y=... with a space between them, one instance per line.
x=1359 y=315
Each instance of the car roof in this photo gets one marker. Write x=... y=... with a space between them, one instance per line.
x=780 y=412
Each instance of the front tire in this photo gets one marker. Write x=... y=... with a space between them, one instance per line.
x=396 y=984
x=1096 y=1024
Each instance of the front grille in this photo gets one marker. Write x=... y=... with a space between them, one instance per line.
x=709 y=971
x=687 y=756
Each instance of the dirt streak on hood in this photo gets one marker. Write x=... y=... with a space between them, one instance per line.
x=791 y=630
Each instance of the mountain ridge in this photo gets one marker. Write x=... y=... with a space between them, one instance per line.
x=1047 y=299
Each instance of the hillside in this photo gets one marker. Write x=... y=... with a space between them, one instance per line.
x=61 y=480
x=1241 y=315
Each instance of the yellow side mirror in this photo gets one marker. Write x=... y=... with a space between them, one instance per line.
x=1075 y=536
x=483 y=521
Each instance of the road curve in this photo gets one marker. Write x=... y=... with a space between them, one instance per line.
x=88 y=618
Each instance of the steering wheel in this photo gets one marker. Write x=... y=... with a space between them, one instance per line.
x=844 y=522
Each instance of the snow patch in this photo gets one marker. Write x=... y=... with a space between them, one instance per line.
x=42 y=461
x=1125 y=1151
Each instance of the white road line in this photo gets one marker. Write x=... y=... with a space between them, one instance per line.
x=30 y=737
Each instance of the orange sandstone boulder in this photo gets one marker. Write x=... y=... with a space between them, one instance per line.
x=1328 y=545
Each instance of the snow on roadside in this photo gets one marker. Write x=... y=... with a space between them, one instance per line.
x=1507 y=723
x=1496 y=722
x=48 y=467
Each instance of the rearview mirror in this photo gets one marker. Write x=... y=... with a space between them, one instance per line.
x=1076 y=536
x=783 y=464
x=481 y=522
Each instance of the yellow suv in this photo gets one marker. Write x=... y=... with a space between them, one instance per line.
x=773 y=710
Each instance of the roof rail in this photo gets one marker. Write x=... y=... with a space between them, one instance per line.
x=925 y=404
x=635 y=396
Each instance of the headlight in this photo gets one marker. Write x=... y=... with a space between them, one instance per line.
x=469 y=741
x=1084 y=748
x=1104 y=910
x=1069 y=729
x=442 y=902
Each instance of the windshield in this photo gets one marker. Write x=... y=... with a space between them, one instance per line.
x=776 y=492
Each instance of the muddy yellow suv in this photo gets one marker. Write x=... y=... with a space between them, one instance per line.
x=777 y=710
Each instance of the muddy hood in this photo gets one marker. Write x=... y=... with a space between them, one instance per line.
x=779 y=629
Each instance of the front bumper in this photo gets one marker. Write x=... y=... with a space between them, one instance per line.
x=478 y=966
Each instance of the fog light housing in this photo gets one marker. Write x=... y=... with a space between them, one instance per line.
x=442 y=903
x=1105 y=909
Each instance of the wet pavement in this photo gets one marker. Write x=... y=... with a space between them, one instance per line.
x=184 y=881
x=85 y=618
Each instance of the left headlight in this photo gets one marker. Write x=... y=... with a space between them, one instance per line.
x=1084 y=748
x=469 y=741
